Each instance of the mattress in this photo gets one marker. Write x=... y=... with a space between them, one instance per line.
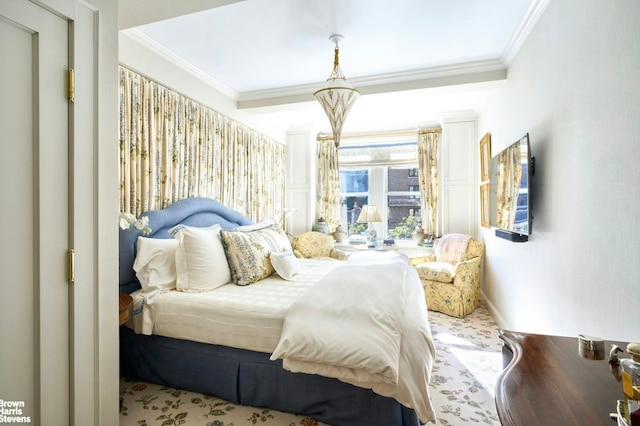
x=245 y=317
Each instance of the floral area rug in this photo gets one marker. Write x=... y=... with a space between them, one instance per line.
x=468 y=362
x=147 y=404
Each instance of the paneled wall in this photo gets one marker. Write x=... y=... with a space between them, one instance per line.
x=458 y=164
x=301 y=181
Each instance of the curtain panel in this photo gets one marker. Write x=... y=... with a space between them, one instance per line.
x=428 y=142
x=328 y=183
x=172 y=147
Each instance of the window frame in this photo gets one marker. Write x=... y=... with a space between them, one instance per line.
x=378 y=177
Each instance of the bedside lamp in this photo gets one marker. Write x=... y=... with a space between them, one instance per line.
x=369 y=214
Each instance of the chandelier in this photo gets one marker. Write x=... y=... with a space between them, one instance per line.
x=337 y=96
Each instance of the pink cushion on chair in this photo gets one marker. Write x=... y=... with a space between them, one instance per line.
x=451 y=248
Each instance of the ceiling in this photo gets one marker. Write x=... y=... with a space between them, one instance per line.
x=413 y=61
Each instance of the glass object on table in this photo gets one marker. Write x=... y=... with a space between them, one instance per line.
x=630 y=372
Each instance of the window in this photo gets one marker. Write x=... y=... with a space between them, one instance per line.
x=354 y=193
x=393 y=190
x=403 y=201
x=381 y=171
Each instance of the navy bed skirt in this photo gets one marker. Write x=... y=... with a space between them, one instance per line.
x=251 y=378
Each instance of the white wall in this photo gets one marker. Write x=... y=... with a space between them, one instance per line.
x=575 y=87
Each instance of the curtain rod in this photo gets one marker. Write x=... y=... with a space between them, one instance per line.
x=327 y=136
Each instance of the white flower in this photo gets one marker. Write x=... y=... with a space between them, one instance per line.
x=127 y=219
x=142 y=223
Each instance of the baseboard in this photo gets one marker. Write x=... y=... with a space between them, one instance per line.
x=498 y=318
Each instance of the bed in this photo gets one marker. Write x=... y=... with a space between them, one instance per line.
x=164 y=343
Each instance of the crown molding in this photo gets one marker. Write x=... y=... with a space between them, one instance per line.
x=531 y=18
x=380 y=79
x=449 y=75
x=168 y=55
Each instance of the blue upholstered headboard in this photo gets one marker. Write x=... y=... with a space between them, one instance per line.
x=199 y=212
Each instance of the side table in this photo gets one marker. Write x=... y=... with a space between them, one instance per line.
x=125 y=307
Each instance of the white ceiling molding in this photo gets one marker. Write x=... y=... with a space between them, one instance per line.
x=165 y=53
x=450 y=75
x=536 y=9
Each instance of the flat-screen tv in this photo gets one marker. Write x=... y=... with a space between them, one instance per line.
x=510 y=191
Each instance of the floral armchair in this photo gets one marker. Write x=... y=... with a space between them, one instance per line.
x=316 y=244
x=451 y=277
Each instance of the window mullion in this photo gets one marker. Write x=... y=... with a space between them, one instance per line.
x=399 y=201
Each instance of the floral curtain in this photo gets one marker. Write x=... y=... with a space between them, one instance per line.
x=428 y=141
x=328 y=184
x=509 y=178
x=172 y=147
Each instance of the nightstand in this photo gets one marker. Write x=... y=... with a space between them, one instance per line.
x=125 y=307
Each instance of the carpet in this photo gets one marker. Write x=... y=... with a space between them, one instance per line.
x=468 y=362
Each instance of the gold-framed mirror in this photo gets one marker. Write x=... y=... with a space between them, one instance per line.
x=484 y=205
x=485 y=157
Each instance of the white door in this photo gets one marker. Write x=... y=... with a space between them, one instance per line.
x=34 y=218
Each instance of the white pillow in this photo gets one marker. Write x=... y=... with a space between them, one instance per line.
x=155 y=264
x=201 y=264
x=285 y=263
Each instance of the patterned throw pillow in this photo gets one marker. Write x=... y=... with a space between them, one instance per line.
x=313 y=244
x=248 y=252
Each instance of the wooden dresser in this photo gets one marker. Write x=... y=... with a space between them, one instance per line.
x=546 y=382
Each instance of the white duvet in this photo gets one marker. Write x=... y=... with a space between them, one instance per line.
x=365 y=323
